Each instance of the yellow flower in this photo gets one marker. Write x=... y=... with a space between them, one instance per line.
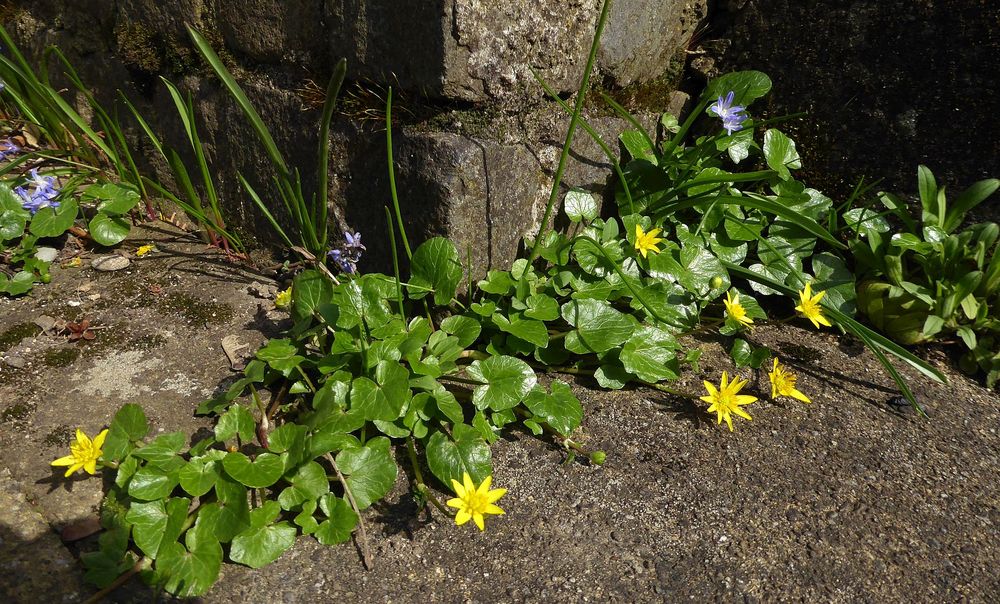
x=83 y=453
x=810 y=308
x=735 y=310
x=473 y=502
x=74 y=263
x=646 y=242
x=145 y=249
x=283 y=299
x=783 y=383
x=726 y=400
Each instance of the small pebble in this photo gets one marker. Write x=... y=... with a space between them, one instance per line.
x=110 y=263
x=46 y=254
x=14 y=361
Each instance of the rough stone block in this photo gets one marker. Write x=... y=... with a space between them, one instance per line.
x=468 y=50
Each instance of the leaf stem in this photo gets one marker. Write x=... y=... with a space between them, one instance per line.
x=420 y=486
x=574 y=120
x=366 y=553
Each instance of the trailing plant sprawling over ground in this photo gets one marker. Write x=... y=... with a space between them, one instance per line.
x=708 y=228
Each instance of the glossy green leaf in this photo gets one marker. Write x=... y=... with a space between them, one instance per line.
x=280 y=354
x=465 y=451
x=236 y=421
x=580 y=205
x=199 y=476
x=308 y=482
x=113 y=199
x=370 y=470
x=49 y=222
x=109 y=230
x=128 y=426
x=340 y=522
x=12 y=224
x=259 y=546
x=542 y=307
x=505 y=381
x=310 y=290
x=747 y=87
x=155 y=523
x=190 y=571
x=230 y=515
x=435 y=265
x=649 y=354
x=561 y=409
x=528 y=330
x=598 y=326
x=384 y=397
x=151 y=483
x=257 y=474
x=780 y=153
x=466 y=329
x=163 y=448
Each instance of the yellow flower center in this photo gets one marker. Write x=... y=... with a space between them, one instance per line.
x=475 y=502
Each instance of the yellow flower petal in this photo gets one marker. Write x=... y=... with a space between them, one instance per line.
x=495 y=494
x=99 y=439
x=493 y=509
x=462 y=517
x=458 y=488
x=478 y=518
x=470 y=487
x=454 y=502
x=484 y=488
x=64 y=461
x=798 y=395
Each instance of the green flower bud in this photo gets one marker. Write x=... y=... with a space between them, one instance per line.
x=598 y=457
x=46 y=278
x=716 y=282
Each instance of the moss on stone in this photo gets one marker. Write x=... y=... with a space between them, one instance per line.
x=14 y=334
x=652 y=95
x=195 y=310
x=60 y=357
x=17 y=412
x=152 y=52
x=60 y=436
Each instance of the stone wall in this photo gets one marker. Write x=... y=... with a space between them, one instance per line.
x=477 y=141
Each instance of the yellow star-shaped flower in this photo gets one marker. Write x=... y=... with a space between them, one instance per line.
x=783 y=383
x=735 y=310
x=809 y=306
x=83 y=453
x=145 y=249
x=475 y=502
x=646 y=242
x=284 y=298
x=726 y=399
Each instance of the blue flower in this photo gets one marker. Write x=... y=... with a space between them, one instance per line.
x=43 y=196
x=732 y=117
x=8 y=148
x=354 y=240
x=347 y=256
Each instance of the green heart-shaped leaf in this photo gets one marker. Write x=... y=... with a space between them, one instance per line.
x=257 y=474
x=505 y=381
x=448 y=458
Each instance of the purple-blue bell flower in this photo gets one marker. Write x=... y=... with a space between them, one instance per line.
x=8 y=148
x=354 y=240
x=43 y=195
x=344 y=263
x=732 y=116
x=38 y=199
